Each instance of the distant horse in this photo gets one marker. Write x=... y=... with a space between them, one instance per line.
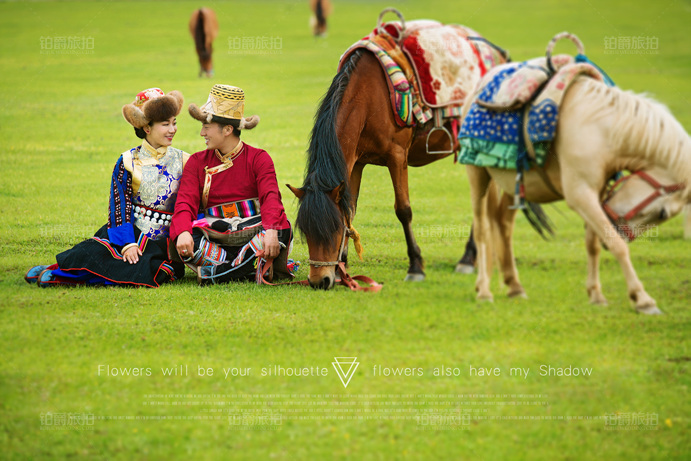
x=355 y=126
x=321 y=9
x=600 y=131
x=204 y=29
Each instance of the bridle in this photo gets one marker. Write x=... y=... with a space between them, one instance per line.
x=343 y=277
x=621 y=221
x=347 y=232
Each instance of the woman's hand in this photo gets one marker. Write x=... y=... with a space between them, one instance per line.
x=185 y=245
x=132 y=254
x=271 y=246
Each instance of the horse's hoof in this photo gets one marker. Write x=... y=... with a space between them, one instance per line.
x=518 y=294
x=596 y=297
x=415 y=277
x=464 y=268
x=486 y=298
x=598 y=300
x=650 y=310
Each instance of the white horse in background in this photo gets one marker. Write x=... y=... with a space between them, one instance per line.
x=601 y=130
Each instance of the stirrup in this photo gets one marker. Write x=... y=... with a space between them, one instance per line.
x=439 y=126
x=518 y=203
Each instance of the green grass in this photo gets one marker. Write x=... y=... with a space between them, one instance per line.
x=61 y=131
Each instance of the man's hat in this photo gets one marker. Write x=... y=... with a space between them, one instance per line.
x=226 y=102
x=152 y=105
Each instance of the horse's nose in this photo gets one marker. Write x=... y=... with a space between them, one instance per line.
x=323 y=284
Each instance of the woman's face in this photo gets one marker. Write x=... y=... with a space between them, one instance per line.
x=161 y=134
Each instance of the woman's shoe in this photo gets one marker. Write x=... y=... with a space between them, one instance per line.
x=46 y=279
x=33 y=273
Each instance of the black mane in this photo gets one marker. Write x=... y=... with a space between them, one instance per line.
x=318 y=217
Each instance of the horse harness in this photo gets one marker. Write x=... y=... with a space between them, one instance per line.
x=620 y=221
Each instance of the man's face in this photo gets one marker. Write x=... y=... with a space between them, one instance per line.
x=213 y=134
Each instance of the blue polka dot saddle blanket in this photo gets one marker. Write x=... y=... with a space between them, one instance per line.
x=514 y=111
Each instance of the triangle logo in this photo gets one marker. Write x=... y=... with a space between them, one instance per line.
x=339 y=365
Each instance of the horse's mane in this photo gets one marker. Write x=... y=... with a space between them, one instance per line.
x=200 y=36
x=640 y=124
x=326 y=170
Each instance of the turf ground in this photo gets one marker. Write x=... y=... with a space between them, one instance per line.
x=68 y=67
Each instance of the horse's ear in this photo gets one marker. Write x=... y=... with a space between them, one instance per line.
x=335 y=194
x=299 y=193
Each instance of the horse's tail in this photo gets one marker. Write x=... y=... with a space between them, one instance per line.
x=539 y=220
x=200 y=37
x=319 y=13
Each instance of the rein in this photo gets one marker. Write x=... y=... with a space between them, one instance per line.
x=620 y=221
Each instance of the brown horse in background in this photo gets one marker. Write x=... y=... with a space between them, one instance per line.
x=321 y=9
x=204 y=29
x=355 y=126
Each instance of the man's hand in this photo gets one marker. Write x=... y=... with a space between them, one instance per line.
x=185 y=245
x=132 y=255
x=271 y=246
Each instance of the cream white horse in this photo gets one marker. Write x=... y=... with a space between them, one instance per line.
x=600 y=130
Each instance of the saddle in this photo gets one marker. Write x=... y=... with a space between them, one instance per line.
x=431 y=67
x=513 y=116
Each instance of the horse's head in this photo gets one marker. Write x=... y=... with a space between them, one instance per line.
x=643 y=199
x=323 y=218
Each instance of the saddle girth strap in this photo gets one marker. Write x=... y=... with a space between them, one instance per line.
x=530 y=149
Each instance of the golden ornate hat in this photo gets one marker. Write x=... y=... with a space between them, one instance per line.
x=152 y=105
x=227 y=102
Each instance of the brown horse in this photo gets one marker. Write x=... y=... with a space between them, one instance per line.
x=321 y=9
x=204 y=29
x=355 y=126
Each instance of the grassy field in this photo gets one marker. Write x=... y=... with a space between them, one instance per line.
x=61 y=131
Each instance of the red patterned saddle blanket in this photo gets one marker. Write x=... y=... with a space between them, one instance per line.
x=429 y=65
x=449 y=60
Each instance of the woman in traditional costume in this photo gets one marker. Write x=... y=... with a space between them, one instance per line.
x=132 y=248
x=234 y=185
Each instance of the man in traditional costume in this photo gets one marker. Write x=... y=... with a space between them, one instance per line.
x=132 y=248
x=229 y=219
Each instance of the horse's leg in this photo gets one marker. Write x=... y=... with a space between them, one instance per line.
x=355 y=181
x=398 y=169
x=585 y=202
x=592 y=246
x=466 y=265
x=479 y=181
x=505 y=218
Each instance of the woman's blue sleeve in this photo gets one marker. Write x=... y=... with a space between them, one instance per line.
x=120 y=210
